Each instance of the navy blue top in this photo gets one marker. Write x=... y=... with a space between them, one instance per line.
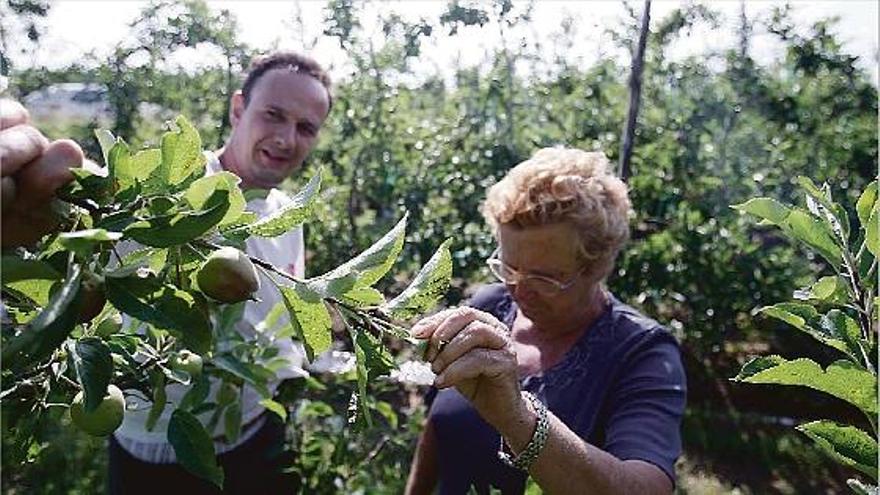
x=621 y=387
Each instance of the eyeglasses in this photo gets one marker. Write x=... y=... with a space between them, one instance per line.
x=537 y=283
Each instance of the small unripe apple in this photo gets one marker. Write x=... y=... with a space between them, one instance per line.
x=187 y=361
x=105 y=419
x=228 y=276
x=227 y=393
x=92 y=298
x=108 y=326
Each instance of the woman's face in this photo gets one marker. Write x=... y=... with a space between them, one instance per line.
x=549 y=251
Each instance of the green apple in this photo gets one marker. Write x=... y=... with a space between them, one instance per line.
x=108 y=326
x=227 y=394
x=228 y=276
x=105 y=419
x=187 y=361
x=92 y=298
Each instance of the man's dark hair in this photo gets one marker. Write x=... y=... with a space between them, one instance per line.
x=280 y=60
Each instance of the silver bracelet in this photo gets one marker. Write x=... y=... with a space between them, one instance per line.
x=539 y=438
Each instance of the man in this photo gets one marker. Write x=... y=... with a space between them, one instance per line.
x=276 y=118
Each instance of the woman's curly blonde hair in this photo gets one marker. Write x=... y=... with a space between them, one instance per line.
x=566 y=185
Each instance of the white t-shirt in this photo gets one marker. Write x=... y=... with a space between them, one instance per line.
x=285 y=252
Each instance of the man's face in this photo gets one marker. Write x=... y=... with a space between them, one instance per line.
x=274 y=133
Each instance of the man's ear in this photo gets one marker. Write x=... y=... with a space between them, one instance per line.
x=236 y=107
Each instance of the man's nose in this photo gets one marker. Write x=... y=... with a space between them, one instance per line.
x=286 y=137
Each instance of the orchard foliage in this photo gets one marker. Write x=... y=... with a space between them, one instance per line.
x=150 y=236
x=839 y=310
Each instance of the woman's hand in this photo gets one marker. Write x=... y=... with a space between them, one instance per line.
x=471 y=351
x=32 y=170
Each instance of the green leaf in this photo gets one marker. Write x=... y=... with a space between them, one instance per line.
x=49 y=329
x=310 y=317
x=842 y=379
x=83 y=242
x=805 y=318
x=821 y=205
x=387 y=412
x=116 y=222
x=31 y=278
x=373 y=263
x=363 y=296
x=188 y=319
x=872 y=232
x=831 y=289
x=88 y=185
x=427 y=288
x=160 y=400
x=194 y=447
x=326 y=286
x=377 y=359
x=131 y=170
x=867 y=203
x=362 y=375
x=153 y=259
x=861 y=488
x=180 y=228
x=255 y=375
x=275 y=407
x=197 y=394
x=756 y=365
x=135 y=295
x=182 y=158
x=845 y=328
x=814 y=233
x=232 y=422
x=94 y=367
x=292 y=215
x=237 y=230
x=200 y=191
x=106 y=140
x=847 y=445
x=163 y=306
x=769 y=209
x=796 y=224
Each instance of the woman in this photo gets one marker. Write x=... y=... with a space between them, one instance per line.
x=548 y=374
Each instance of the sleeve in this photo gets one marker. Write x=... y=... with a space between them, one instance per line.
x=645 y=407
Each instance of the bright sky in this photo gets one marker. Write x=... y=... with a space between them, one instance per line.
x=75 y=28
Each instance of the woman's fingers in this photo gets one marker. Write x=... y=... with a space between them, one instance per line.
x=476 y=334
x=476 y=363
x=442 y=327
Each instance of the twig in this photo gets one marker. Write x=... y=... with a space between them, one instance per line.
x=373 y=453
x=116 y=253
x=70 y=382
x=85 y=204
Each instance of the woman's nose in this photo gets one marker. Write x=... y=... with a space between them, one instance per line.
x=522 y=291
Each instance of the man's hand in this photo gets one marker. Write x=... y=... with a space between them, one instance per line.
x=32 y=169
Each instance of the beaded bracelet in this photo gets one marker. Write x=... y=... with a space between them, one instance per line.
x=539 y=438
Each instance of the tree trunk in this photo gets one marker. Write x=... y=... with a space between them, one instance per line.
x=635 y=94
